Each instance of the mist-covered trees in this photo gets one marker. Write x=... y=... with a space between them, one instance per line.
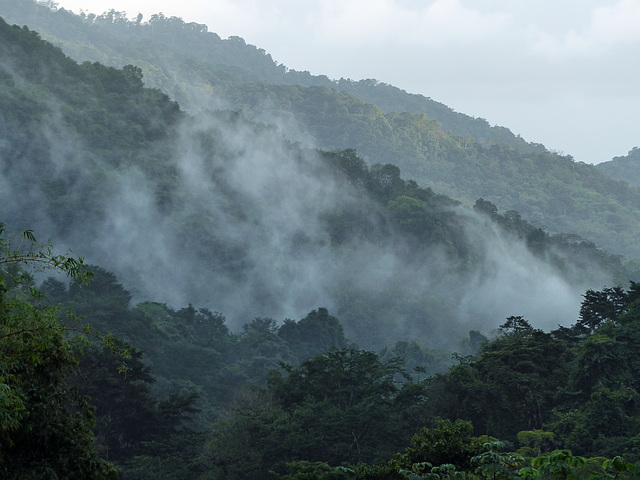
x=225 y=213
x=245 y=221
x=208 y=402
x=513 y=383
x=130 y=420
x=455 y=154
x=578 y=382
x=623 y=168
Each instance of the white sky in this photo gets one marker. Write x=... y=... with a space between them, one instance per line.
x=565 y=73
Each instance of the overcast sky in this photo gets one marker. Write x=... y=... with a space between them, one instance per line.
x=565 y=73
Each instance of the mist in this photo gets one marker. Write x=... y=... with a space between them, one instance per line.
x=241 y=228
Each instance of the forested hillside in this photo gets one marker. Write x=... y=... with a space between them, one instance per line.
x=247 y=307
x=168 y=48
x=452 y=153
x=216 y=211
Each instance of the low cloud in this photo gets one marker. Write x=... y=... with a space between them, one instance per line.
x=245 y=233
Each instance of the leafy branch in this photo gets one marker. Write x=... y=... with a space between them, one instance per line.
x=41 y=255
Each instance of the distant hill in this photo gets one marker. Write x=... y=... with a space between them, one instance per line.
x=452 y=153
x=625 y=168
x=167 y=48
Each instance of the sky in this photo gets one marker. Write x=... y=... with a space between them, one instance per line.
x=563 y=73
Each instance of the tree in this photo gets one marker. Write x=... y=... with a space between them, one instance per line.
x=313 y=335
x=131 y=424
x=486 y=207
x=45 y=426
x=495 y=464
x=512 y=385
x=134 y=75
x=559 y=465
x=516 y=325
x=606 y=424
x=448 y=443
x=598 y=307
x=349 y=399
x=342 y=406
x=535 y=442
x=304 y=470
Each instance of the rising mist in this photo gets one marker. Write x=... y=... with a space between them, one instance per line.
x=241 y=228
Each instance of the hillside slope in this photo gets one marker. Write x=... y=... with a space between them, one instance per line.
x=168 y=49
x=199 y=69
x=217 y=211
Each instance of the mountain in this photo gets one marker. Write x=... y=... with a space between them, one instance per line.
x=169 y=48
x=224 y=213
x=452 y=153
x=625 y=168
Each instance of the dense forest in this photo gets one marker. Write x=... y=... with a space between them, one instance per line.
x=463 y=157
x=298 y=399
x=236 y=304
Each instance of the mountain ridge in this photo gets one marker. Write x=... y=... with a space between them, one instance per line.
x=479 y=161
x=254 y=62
x=218 y=211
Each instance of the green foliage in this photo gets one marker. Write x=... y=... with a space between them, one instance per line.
x=342 y=406
x=516 y=325
x=535 y=442
x=573 y=387
x=606 y=305
x=616 y=466
x=45 y=426
x=449 y=443
x=559 y=465
x=419 y=360
x=29 y=253
x=625 y=168
x=603 y=423
x=495 y=464
x=313 y=335
x=579 y=384
x=130 y=421
x=193 y=350
x=512 y=383
x=304 y=470
x=110 y=130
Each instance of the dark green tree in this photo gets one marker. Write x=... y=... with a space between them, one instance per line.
x=45 y=425
x=313 y=335
x=342 y=406
x=496 y=464
x=601 y=306
x=511 y=385
x=449 y=442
